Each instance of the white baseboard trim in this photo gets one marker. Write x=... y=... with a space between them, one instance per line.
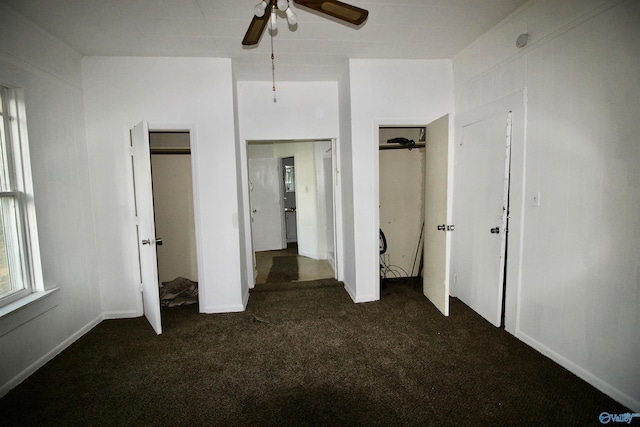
x=108 y=315
x=245 y=300
x=370 y=298
x=15 y=381
x=309 y=255
x=358 y=299
x=223 y=309
x=603 y=386
x=350 y=291
x=332 y=263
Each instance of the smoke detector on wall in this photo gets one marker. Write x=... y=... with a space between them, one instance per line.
x=522 y=40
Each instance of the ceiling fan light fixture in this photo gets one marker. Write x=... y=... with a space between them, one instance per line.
x=260 y=8
x=333 y=8
x=292 y=18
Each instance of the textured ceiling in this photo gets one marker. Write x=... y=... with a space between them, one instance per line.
x=316 y=49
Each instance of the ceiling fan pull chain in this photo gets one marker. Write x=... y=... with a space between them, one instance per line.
x=273 y=68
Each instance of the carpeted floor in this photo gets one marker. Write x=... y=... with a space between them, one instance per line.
x=283 y=269
x=303 y=354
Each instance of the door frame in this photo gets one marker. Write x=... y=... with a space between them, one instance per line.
x=376 y=181
x=193 y=143
x=517 y=104
x=173 y=155
x=246 y=207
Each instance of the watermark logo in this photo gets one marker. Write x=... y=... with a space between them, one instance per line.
x=627 y=417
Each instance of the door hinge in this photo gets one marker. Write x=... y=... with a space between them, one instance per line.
x=131 y=150
x=141 y=288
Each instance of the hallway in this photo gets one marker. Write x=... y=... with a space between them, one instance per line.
x=287 y=266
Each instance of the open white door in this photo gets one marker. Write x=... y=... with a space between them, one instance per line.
x=267 y=210
x=141 y=162
x=336 y=194
x=436 y=234
x=482 y=178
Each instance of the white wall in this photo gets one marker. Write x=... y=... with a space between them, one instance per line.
x=246 y=273
x=402 y=208
x=344 y=187
x=183 y=93
x=329 y=209
x=49 y=74
x=578 y=282
x=324 y=198
x=174 y=218
x=385 y=92
x=303 y=110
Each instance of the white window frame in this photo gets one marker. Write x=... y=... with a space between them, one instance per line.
x=16 y=188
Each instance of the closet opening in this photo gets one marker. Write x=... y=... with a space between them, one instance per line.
x=401 y=187
x=173 y=207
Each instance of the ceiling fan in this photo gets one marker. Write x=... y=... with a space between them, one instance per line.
x=265 y=10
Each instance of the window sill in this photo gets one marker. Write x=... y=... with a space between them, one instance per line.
x=25 y=309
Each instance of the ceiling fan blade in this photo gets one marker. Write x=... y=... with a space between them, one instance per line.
x=337 y=9
x=255 y=30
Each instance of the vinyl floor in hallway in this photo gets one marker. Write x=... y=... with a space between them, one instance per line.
x=308 y=268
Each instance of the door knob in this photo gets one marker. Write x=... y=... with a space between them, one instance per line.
x=158 y=241
x=441 y=227
x=495 y=230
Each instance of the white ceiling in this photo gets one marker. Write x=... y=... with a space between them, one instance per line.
x=316 y=49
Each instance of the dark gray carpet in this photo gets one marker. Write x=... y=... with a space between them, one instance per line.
x=305 y=355
x=284 y=269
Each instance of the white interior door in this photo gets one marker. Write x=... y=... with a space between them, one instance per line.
x=329 y=210
x=482 y=182
x=141 y=162
x=267 y=210
x=289 y=199
x=436 y=236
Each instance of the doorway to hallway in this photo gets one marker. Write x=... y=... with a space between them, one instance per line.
x=292 y=181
